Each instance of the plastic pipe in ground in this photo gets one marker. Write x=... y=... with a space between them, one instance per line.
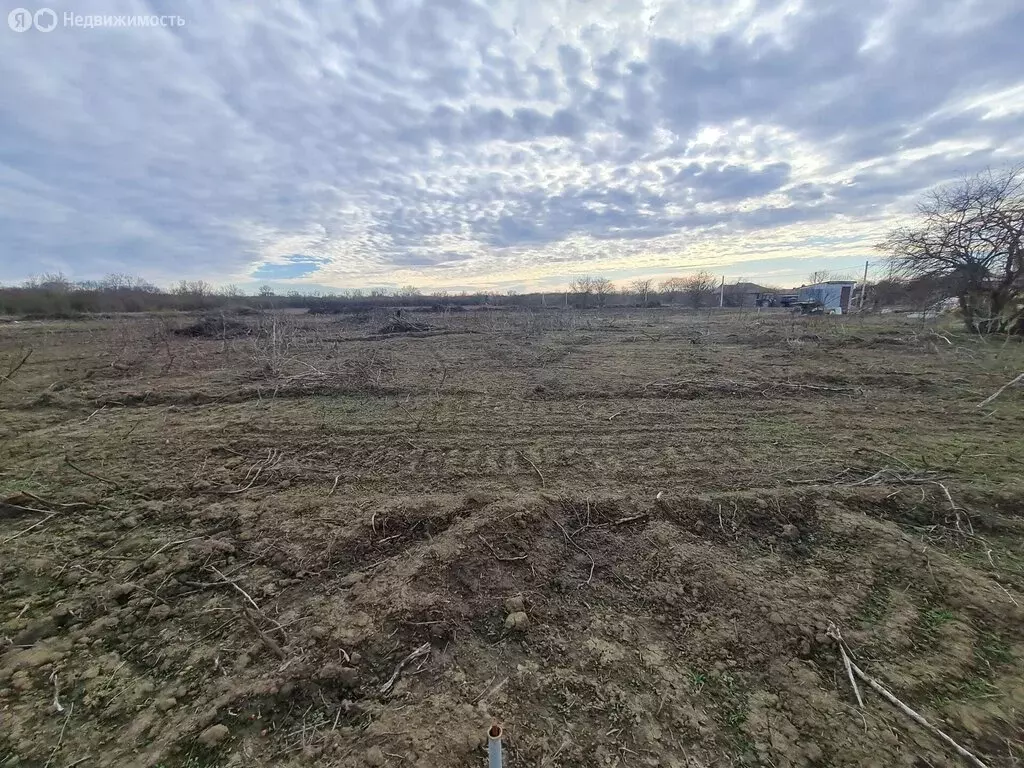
x=494 y=746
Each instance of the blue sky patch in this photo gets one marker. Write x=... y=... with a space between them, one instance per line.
x=296 y=266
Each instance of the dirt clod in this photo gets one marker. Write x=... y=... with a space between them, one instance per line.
x=517 y=621
x=166 y=703
x=374 y=756
x=790 y=532
x=213 y=735
x=340 y=675
x=515 y=604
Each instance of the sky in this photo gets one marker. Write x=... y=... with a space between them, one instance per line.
x=492 y=144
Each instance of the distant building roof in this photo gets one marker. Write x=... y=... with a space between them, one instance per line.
x=746 y=288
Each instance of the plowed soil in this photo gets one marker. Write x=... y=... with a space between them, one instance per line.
x=630 y=538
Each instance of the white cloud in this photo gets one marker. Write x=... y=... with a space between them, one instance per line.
x=457 y=142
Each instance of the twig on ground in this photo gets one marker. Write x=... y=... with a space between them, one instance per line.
x=417 y=653
x=882 y=691
x=237 y=588
x=1018 y=380
x=267 y=640
x=23 y=531
x=500 y=558
x=16 y=367
x=67 y=505
x=573 y=543
x=883 y=453
x=334 y=487
x=6 y=505
x=1007 y=593
x=60 y=738
x=56 y=692
x=535 y=469
x=245 y=488
x=160 y=549
x=957 y=510
x=620 y=521
x=490 y=690
x=918 y=718
x=833 y=632
x=272 y=461
x=101 y=408
x=87 y=473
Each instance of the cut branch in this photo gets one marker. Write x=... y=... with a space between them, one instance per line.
x=569 y=539
x=1019 y=381
x=881 y=690
x=419 y=652
x=500 y=558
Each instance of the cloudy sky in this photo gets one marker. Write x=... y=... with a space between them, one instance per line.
x=493 y=143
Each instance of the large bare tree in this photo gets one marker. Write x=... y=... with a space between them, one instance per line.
x=970 y=236
x=672 y=288
x=582 y=286
x=819 y=276
x=603 y=288
x=699 y=289
x=642 y=287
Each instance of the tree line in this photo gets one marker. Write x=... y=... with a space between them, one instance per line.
x=55 y=295
x=697 y=290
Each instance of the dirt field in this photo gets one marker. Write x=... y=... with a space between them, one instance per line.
x=622 y=535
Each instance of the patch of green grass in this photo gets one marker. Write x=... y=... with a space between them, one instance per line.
x=930 y=620
x=730 y=712
x=698 y=680
x=933 y=618
x=991 y=650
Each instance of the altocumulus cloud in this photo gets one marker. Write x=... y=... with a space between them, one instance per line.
x=471 y=143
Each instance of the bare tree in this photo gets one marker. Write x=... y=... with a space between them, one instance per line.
x=673 y=288
x=193 y=288
x=57 y=282
x=582 y=286
x=266 y=291
x=699 y=289
x=642 y=287
x=603 y=288
x=408 y=291
x=121 y=281
x=970 y=237
x=819 y=276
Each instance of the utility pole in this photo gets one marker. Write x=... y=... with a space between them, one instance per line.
x=863 y=286
x=721 y=294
